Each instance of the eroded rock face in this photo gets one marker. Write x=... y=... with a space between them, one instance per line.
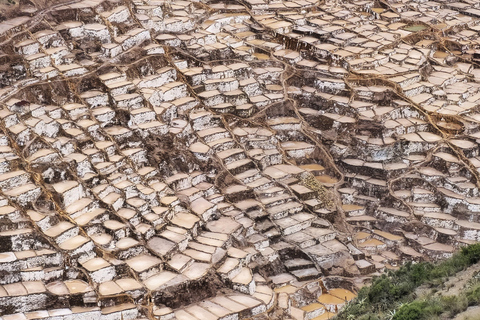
x=247 y=159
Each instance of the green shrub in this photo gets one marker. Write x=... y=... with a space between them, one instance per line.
x=411 y=311
x=380 y=290
x=369 y=316
x=472 y=253
x=454 y=304
x=473 y=295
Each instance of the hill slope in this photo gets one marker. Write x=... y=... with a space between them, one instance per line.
x=422 y=291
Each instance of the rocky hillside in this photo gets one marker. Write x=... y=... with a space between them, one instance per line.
x=446 y=290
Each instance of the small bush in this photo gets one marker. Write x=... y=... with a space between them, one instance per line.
x=473 y=295
x=411 y=311
x=472 y=253
x=369 y=317
x=454 y=304
x=380 y=290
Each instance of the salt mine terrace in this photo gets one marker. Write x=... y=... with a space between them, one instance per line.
x=230 y=160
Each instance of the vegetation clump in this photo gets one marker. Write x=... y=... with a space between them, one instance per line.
x=392 y=295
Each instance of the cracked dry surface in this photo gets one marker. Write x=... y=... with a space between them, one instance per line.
x=230 y=159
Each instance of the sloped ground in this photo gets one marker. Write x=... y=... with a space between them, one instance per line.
x=217 y=160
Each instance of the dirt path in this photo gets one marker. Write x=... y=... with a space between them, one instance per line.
x=472 y=313
x=453 y=286
x=456 y=285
